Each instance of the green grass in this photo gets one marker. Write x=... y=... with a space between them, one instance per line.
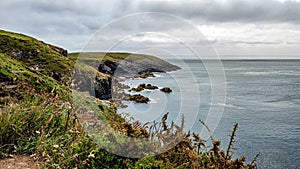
x=15 y=35
x=111 y=56
x=46 y=57
x=47 y=128
x=41 y=116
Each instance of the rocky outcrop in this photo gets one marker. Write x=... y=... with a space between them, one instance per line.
x=139 y=98
x=166 y=89
x=98 y=86
x=142 y=66
x=108 y=67
x=144 y=75
x=141 y=87
x=103 y=88
x=117 y=65
x=24 y=54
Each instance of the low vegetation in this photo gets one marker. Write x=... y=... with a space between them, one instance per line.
x=39 y=118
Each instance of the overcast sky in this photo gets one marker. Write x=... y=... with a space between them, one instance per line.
x=239 y=28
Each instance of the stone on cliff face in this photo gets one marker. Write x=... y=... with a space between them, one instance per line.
x=166 y=90
x=112 y=65
x=22 y=54
x=64 y=52
x=102 y=88
x=105 y=69
x=55 y=75
x=59 y=50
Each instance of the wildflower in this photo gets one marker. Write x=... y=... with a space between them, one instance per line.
x=37 y=132
x=32 y=155
x=54 y=151
x=91 y=155
x=56 y=146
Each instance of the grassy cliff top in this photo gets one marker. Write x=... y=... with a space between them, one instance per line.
x=27 y=64
x=38 y=117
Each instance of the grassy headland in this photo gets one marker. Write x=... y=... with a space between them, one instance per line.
x=38 y=117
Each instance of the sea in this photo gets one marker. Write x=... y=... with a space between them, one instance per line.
x=262 y=96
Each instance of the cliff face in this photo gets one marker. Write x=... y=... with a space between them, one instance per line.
x=108 y=67
x=29 y=63
x=133 y=65
x=103 y=88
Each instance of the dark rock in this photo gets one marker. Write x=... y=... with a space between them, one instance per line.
x=112 y=65
x=108 y=67
x=55 y=75
x=25 y=54
x=102 y=88
x=150 y=70
x=63 y=52
x=141 y=87
x=144 y=75
x=59 y=50
x=105 y=69
x=166 y=90
x=150 y=87
x=139 y=98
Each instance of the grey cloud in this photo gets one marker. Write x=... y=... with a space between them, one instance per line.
x=73 y=21
x=230 y=11
x=73 y=17
x=67 y=17
x=253 y=42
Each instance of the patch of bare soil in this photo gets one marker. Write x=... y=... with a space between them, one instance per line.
x=18 y=162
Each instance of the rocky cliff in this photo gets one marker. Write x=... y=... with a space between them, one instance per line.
x=109 y=67
x=29 y=63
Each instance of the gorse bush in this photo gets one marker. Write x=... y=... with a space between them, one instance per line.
x=41 y=117
x=47 y=128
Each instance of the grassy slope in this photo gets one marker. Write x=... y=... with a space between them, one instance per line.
x=47 y=57
x=38 y=117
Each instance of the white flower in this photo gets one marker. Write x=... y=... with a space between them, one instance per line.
x=56 y=146
x=91 y=155
x=37 y=132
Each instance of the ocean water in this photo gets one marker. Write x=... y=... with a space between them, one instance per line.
x=263 y=97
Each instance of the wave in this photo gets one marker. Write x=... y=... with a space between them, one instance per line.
x=286 y=98
x=157 y=75
x=229 y=106
x=266 y=73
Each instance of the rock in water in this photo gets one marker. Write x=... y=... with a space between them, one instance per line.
x=166 y=90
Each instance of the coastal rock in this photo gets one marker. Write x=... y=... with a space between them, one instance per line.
x=117 y=65
x=141 y=87
x=102 y=88
x=105 y=69
x=144 y=75
x=118 y=97
x=150 y=87
x=166 y=89
x=139 y=98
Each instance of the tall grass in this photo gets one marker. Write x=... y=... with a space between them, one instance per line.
x=45 y=126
